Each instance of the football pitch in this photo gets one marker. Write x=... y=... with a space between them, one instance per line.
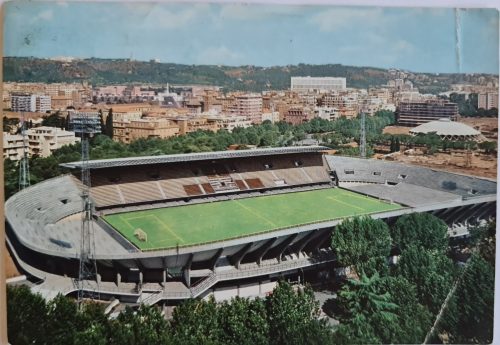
x=214 y=221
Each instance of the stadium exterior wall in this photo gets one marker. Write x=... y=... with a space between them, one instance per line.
x=127 y=271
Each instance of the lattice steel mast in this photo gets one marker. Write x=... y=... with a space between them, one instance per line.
x=24 y=165
x=87 y=274
x=362 y=141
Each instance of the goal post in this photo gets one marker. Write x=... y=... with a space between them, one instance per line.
x=141 y=235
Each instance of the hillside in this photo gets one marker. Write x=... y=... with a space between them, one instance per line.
x=245 y=78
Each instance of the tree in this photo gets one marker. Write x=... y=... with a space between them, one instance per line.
x=196 y=322
x=431 y=272
x=420 y=229
x=11 y=177
x=362 y=299
x=104 y=130
x=109 y=123
x=488 y=146
x=292 y=315
x=469 y=315
x=145 y=326
x=94 y=325
x=66 y=122
x=53 y=120
x=466 y=106
x=368 y=311
x=414 y=319
x=26 y=313
x=381 y=310
x=62 y=320
x=243 y=322
x=10 y=124
x=362 y=242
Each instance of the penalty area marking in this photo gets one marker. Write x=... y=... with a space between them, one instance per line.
x=346 y=203
x=255 y=213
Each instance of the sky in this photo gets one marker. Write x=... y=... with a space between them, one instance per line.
x=433 y=40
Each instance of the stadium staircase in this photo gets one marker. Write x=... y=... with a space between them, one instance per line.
x=204 y=285
x=150 y=298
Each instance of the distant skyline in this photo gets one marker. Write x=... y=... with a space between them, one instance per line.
x=416 y=39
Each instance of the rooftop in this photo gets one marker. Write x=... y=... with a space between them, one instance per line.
x=188 y=157
x=445 y=127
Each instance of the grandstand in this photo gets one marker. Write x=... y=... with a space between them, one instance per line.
x=179 y=226
x=153 y=179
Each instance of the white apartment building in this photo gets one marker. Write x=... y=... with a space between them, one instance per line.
x=40 y=141
x=321 y=84
x=43 y=104
x=327 y=113
x=487 y=100
x=43 y=141
x=30 y=103
x=13 y=146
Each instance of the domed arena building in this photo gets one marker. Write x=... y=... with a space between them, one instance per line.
x=447 y=129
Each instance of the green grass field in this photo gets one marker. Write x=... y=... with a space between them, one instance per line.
x=201 y=223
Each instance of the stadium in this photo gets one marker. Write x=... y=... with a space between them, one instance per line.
x=179 y=226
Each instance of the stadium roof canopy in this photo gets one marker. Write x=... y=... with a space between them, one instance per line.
x=447 y=129
x=189 y=157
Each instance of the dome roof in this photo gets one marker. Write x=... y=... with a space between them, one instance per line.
x=445 y=127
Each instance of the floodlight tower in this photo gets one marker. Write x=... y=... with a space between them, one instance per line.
x=24 y=165
x=362 y=141
x=87 y=282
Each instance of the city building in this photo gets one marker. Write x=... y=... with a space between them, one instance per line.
x=194 y=105
x=487 y=100
x=42 y=104
x=40 y=142
x=193 y=124
x=410 y=96
x=13 y=147
x=61 y=102
x=25 y=102
x=322 y=84
x=249 y=106
x=124 y=115
x=44 y=140
x=297 y=116
x=128 y=131
x=326 y=113
x=229 y=123
x=416 y=113
x=273 y=116
x=85 y=122
x=80 y=93
x=346 y=102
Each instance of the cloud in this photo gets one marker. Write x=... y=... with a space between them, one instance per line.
x=244 y=11
x=172 y=17
x=218 y=55
x=335 y=19
x=386 y=52
x=403 y=46
x=45 y=15
x=62 y=3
